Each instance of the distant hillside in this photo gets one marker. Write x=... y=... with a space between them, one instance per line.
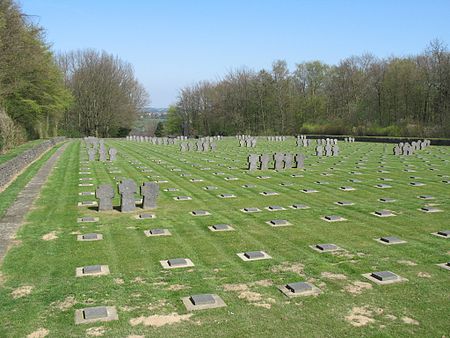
x=154 y=112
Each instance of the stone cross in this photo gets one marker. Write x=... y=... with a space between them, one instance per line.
x=265 y=158
x=299 y=161
x=149 y=191
x=91 y=153
x=328 y=149
x=112 y=154
x=127 y=189
x=279 y=161
x=105 y=193
x=253 y=160
x=319 y=150
x=335 y=150
x=288 y=158
x=241 y=143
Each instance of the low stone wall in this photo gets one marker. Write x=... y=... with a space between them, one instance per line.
x=14 y=166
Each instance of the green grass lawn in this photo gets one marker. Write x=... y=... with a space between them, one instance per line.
x=141 y=289
x=19 y=150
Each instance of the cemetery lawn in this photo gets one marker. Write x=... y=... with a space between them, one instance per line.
x=39 y=290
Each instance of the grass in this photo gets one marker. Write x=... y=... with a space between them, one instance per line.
x=138 y=286
x=19 y=150
x=8 y=196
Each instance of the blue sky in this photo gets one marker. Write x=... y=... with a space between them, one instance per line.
x=174 y=43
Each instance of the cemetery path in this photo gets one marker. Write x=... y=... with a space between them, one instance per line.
x=14 y=216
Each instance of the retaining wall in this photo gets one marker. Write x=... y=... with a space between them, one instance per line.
x=10 y=169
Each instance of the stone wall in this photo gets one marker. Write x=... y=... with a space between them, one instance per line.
x=14 y=166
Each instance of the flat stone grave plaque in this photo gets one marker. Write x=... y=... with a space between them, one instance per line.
x=250 y=210
x=231 y=178
x=309 y=191
x=299 y=287
x=326 y=247
x=299 y=206
x=430 y=209
x=203 y=299
x=196 y=180
x=87 y=219
x=177 y=262
x=278 y=222
x=286 y=184
x=200 y=213
x=97 y=312
x=85 y=184
x=347 y=188
x=333 y=218
x=391 y=240
x=387 y=200
x=344 y=203
x=92 y=269
x=275 y=208
x=226 y=196
x=249 y=186
x=146 y=216
x=354 y=180
x=383 y=213
x=254 y=254
x=90 y=237
x=383 y=186
x=384 y=276
x=426 y=197
x=183 y=198
x=171 y=189
x=444 y=233
x=263 y=177
x=157 y=231
x=210 y=187
x=221 y=227
x=296 y=175
x=86 y=193
x=416 y=184
x=87 y=203
x=321 y=182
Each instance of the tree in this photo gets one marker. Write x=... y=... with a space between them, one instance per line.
x=32 y=91
x=107 y=96
x=174 y=123
x=159 y=132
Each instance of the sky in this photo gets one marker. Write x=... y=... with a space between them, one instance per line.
x=176 y=43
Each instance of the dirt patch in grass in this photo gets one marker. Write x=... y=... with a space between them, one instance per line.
x=139 y=280
x=391 y=317
x=23 y=291
x=96 y=331
x=40 y=333
x=50 y=236
x=360 y=316
x=160 y=320
x=177 y=287
x=66 y=304
x=158 y=305
x=410 y=321
x=119 y=281
x=250 y=296
x=235 y=287
x=406 y=262
x=263 y=282
x=423 y=274
x=333 y=276
x=357 y=287
x=289 y=267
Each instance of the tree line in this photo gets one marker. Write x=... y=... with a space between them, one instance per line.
x=79 y=93
x=361 y=95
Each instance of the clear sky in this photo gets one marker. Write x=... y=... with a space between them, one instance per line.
x=174 y=43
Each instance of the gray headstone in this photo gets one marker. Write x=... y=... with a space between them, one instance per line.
x=253 y=160
x=112 y=154
x=265 y=158
x=150 y=192
x=105 y=193
x=279 y=161
x=127 y=189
